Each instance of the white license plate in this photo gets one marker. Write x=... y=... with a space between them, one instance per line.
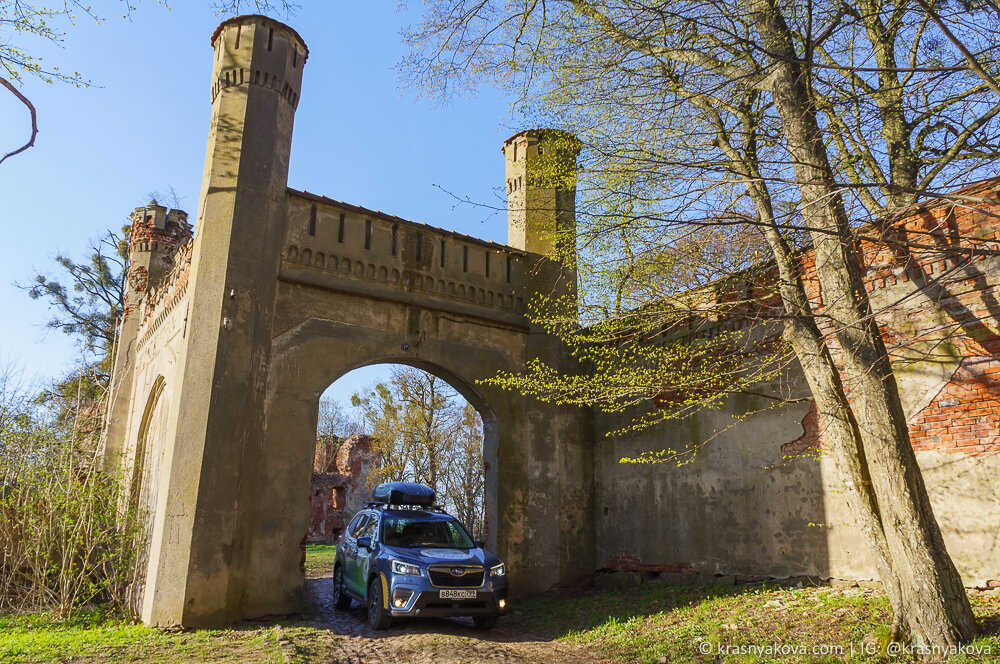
x=457 y=594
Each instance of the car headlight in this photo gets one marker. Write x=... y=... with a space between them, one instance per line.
x=405 y=568
x=498 y=570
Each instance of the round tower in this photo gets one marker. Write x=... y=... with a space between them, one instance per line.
x=258 y=51
x=541 y=191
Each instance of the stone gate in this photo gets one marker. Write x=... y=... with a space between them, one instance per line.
x=232 y=336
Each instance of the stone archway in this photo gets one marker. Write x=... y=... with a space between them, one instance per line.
x=523 y=511
x=474 y=397
x=281 y=291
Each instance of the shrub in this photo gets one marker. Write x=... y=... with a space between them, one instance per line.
x=66 y=537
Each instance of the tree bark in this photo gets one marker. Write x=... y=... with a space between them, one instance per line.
x=836 y=417
x=932 y=600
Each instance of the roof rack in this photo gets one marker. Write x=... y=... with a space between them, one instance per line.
x=403 y=493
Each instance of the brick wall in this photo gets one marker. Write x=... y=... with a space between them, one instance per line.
x=942 y=251
x=627 y=561
x=339 y=484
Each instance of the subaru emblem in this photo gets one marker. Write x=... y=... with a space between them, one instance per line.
x=457 y=571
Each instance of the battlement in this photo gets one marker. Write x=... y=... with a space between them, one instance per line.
x=255 y=50
x=155 y=228
x=346 y=246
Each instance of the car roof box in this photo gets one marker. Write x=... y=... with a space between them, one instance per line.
x=403 y=493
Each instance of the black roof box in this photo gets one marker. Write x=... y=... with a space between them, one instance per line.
x=403 y=493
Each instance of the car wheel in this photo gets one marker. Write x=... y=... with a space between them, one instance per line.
x=485 y=622
x=341 y=600
x=378 y=617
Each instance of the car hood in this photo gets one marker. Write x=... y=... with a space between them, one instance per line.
x=431 y=556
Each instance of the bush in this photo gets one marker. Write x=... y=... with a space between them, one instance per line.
x=66 y=537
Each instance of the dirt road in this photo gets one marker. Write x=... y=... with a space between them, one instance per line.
x=343 y=637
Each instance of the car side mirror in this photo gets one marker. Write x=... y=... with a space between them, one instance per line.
x=479 y=544
x=365 y=543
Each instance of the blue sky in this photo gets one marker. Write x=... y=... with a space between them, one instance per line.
x=143 y=124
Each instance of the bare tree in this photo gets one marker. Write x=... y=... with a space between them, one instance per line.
x=425 y=432
x=335 y=420
x=748 y=130
x=463 y=482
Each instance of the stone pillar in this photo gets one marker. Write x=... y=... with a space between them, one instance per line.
x=546 y=524
x=196 y=574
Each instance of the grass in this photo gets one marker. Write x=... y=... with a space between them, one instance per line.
x=643 y=624
x=681 y=623
x=96 y=637
x=319 y=558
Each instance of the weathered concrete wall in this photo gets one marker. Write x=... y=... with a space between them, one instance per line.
x=742 y=506
x=763 y=498
x=735 y=507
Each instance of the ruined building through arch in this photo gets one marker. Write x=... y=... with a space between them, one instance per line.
x=230 y=338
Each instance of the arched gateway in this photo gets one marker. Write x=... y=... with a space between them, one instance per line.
x=233 y=335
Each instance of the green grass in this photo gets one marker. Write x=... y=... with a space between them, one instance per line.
x=319 y=558
x=96 y=637
x=655 y=621
x=641 y=624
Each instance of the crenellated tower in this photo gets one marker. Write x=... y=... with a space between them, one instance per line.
x=197 y=570
x=155 y=236
x=540 y=168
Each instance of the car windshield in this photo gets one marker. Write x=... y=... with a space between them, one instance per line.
x=411 y=532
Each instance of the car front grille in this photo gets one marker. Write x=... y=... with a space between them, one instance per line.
x=442 y=577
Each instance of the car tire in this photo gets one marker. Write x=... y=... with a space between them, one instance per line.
x=378 y=617
x=485 y=622
x=341 y=600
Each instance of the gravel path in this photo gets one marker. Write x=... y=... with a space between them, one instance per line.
x=344 y=637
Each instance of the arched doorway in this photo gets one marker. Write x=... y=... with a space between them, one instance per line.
x=396 y=422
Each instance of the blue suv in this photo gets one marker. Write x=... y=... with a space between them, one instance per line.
x=403 y=556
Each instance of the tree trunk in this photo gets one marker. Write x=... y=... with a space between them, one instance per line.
x=932 y=601
x=836 y=418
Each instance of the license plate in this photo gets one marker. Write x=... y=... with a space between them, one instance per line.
x=457 y=594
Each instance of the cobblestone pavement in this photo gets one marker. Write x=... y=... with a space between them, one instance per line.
x=343 y=637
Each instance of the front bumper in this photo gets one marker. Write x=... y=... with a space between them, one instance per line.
x=424 y=600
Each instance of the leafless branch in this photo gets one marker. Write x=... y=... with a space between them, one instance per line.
x=34 y=118
x=969 y=57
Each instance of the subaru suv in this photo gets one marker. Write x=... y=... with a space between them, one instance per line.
x=403 y=556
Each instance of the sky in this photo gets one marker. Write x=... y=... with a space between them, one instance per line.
x=142 y=126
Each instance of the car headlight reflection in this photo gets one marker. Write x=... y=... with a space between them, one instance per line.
x=498 y=570
x=399 y=567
